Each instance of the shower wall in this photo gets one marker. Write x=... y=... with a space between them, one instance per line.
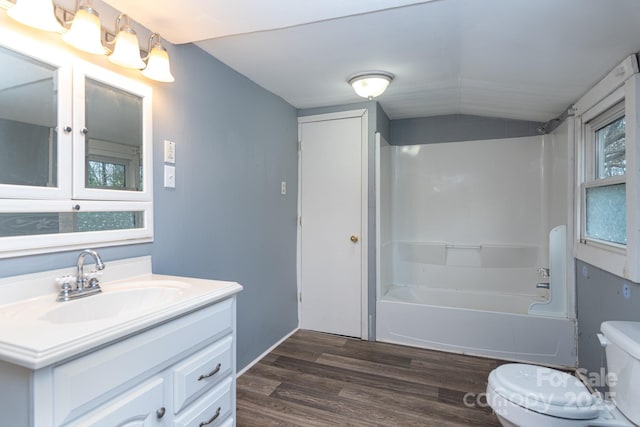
x=469 y=192
x=455 y=205
x=449 y=207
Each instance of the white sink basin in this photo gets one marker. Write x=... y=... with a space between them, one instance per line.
x=117 y=301
x=36 y=330
x=112 y=304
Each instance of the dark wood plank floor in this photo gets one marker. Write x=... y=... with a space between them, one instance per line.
x=315 y=379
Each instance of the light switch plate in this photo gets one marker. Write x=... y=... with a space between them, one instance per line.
x=169 y=176
x=169 y=151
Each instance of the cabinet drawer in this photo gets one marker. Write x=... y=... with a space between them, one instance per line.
x=136 y=407
x=83 y=383
x=201 y=371
x=210 y=410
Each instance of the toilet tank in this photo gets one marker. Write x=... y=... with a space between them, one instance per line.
x=623 y=360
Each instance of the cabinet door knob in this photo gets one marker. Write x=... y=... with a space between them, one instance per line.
x=67 y=129
x=160 y=412
x=354 y=239
x=84 y=131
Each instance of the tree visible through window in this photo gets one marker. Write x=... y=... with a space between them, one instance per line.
x=610 y=146
x=106 y=175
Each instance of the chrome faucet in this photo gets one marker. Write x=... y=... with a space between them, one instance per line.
x=81 y=279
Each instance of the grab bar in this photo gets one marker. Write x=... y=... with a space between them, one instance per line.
x=463 y=246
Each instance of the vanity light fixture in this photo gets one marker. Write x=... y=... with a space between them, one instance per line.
x=38 y=14
x=370 y=84
x=85 y=32
x=158 y=67
x=126 y=50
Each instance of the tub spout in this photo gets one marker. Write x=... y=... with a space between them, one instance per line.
x=543 y=272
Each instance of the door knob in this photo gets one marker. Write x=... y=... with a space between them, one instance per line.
x=354 y=238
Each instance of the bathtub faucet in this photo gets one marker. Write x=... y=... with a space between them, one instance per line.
x=543 y=272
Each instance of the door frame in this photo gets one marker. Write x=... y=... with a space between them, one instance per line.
x=363 y=114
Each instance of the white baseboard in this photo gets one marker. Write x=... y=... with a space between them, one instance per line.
x=269 y=350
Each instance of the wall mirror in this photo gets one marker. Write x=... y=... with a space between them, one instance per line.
x=28 y=121
x=112 y=159
x=113 y=141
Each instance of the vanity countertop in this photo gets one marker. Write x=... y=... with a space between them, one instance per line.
x=37 y=331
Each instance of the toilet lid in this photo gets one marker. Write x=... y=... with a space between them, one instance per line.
x=544 y=390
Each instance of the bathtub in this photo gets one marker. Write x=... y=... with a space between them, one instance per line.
x=463 y=232
x=488 y=324
x=463 y=299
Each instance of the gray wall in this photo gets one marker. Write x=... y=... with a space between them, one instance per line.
x=378 y=122
x=600 y=298
x=457 y=127
x=235 y=143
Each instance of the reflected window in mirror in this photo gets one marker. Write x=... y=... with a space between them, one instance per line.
x=113 y=140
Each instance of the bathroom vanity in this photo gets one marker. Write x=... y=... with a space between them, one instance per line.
x=151 y=350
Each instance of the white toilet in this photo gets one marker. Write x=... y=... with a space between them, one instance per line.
x=533 y=396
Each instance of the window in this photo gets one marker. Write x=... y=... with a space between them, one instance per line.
x=605 y=201
x=75 y=152
x=607 y=192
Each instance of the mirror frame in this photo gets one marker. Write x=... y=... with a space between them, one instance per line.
x=81 y=71
x=62 y=61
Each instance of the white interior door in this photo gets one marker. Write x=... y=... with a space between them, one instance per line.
x=331 y=230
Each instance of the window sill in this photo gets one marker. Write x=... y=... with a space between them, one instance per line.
x=613 y=260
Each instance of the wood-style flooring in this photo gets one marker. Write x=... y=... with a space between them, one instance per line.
x=315 y=379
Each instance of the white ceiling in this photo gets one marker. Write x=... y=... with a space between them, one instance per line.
x=521 y=59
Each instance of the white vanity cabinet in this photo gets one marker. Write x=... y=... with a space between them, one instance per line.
x=179 y=373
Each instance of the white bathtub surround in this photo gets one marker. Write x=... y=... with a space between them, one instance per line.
x=556 y=304
x=462 y=244
x=31 y=336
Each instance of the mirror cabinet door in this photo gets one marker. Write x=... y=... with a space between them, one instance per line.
x=35 y=146
x=113 y=141
x=112 y=157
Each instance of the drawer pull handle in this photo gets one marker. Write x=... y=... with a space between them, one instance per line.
x=212 y=419
x=210 y=374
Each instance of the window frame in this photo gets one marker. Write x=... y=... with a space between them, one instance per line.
x=601 y=105
x=591 y=178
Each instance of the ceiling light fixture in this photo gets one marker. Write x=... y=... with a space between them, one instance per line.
x=370 y=84
x=158 y=67
x=126 y=50
x=36 y=14
x=85 y=32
